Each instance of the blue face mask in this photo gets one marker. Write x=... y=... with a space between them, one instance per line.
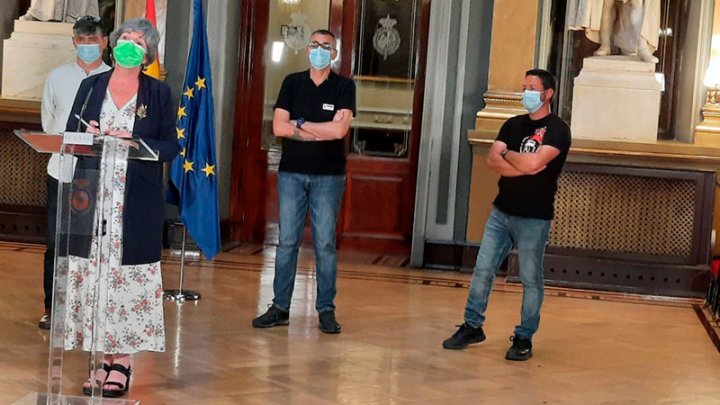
x=88 y=53
x=319 y=58
x=531 y=100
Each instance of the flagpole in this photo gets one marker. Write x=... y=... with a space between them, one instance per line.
x=192 y=178
x=179 y=294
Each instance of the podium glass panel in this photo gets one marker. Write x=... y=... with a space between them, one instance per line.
x=43 y=399
x=87 y=256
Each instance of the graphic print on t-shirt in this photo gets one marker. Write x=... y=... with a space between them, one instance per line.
x=531 y=144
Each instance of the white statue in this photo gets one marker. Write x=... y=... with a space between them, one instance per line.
x=61 y=10
x=630 y=25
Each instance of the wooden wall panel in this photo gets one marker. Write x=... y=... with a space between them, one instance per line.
x=249 y=166
x=374 y=206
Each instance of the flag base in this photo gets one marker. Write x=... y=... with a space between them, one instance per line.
x=181 y=295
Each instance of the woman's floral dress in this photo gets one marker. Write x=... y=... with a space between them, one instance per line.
x=132 y=319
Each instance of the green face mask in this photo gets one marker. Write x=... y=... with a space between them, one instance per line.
x=128 y=54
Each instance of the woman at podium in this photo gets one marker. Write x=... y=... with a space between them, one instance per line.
x=115 y=268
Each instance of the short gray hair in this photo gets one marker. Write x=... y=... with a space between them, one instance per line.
x=144 y=27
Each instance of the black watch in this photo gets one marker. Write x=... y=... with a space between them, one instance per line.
x=299 y=122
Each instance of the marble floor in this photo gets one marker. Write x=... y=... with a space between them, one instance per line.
x=591 y=349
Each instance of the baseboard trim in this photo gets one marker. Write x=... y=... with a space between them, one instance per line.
x=450 y=255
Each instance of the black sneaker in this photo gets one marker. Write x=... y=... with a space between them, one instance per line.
x=520 y=350
x=328 y=324
x=273 y=317
x=464 y=336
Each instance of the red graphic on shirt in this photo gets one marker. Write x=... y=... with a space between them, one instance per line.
x=532 y=143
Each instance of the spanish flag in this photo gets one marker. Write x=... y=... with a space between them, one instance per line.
x=154 y=68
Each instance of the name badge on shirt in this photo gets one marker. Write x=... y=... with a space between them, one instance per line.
x=329 y=107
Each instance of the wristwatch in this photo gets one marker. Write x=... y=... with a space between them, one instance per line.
x=299 y=122
x=503 y=153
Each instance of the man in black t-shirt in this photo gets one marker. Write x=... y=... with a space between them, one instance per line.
x=312 y=116
x=529 y=154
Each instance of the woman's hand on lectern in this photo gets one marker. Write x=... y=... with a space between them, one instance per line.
x=118 y=134
x=93 y=128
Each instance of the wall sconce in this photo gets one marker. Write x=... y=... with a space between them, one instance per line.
x=708 y=131
x=712 y=74
x=712 y=80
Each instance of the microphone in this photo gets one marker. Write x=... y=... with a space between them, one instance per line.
x=82 y=109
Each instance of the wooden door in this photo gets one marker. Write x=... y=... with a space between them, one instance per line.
x=388 y=53
x=377 y=212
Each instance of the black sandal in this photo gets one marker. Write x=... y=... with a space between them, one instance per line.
x=123 y=389
x=88 y=390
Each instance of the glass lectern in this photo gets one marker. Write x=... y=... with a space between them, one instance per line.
x=87 y=224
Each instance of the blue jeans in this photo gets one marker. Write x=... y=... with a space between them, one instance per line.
x=322 y=195
x=502 y=231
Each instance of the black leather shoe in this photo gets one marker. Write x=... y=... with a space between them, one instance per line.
x=328 y=324
x=464 y=336
x=520 y=350
x=273 y=317
x=44 y=322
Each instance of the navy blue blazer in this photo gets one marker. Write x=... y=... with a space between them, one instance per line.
x=144 y=212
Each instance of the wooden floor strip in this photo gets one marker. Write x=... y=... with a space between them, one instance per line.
x=711 y=326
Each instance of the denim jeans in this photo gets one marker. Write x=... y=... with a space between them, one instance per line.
x=529 y=236
x=322 y=195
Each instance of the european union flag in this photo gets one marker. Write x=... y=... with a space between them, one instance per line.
x=193 y=174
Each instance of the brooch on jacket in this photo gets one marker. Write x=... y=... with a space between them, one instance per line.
x=141 y=111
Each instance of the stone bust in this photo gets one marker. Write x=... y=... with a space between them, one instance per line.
x=629 y=25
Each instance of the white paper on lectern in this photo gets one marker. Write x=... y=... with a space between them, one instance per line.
x=77 y=138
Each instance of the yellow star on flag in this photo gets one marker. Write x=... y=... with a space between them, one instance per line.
x=188 y=166
x=180 y=132
x=181 y=112
x=200 y=83
x=209 y=169
x=182 y=152
x=189 y=92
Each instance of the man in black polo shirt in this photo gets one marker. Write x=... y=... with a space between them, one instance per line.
x=312 y=116
x=529 y=154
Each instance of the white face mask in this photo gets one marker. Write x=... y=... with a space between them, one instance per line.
x=88 y=53
x=532 y=100
x=320 y=58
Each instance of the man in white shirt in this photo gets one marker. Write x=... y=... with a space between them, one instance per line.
x=58 y=97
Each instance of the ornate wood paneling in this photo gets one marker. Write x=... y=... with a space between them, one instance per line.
x=639 y=230
x=22 y=173
x=641 y=212
x=22 y=187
